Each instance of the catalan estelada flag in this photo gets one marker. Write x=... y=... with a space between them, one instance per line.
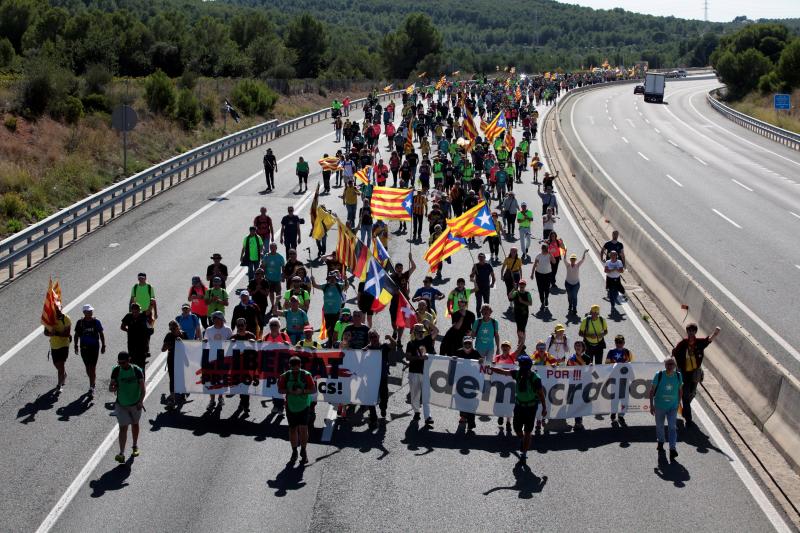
x=470 y=131
x=388 y=88
x=518 y=94
x=443 y=247
x=363 y=175
x=476 y=222
x=388 y=203
x=329 y=163
x=497 y=126
x=509 y=142
x=408 y=147
x=441 y=83
x=380 y=285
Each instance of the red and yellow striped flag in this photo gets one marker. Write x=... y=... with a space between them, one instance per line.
x=388 y=203
x=363 y=175
x=388 y=88
x=346 y=246
x=52 y=303
x=330 y=163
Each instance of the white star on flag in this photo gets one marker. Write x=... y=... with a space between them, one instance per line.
x=484 y=218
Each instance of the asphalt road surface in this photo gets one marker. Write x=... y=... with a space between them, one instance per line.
x=220 y=473
x=725 y=200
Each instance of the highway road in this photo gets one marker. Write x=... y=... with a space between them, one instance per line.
x=220 y=473
x=724 y=200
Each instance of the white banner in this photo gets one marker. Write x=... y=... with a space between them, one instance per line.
x=464 y=385
x=242 y=367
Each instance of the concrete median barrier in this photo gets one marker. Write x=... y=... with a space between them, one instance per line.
x=762 y=387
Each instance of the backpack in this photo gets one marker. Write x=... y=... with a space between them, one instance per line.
x=658 y=380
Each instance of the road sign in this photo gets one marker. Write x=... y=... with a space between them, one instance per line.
x=124 y=118
x=783 y=101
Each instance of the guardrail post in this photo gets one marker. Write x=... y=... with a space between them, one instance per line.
x=28 y=256
x=11 y=264
x=46 y=246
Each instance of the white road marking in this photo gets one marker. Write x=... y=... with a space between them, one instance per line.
x=798 y=266
x=673 y=143
x=690 y=260
x=676 y=182
x=81 y=298
x=157 y=373
x=657 y=130
x=629 y=121
x=626 y=140
x=643 y=156
x=726 y=218
x=614 y=126
x=728 y=132
x=700 y=160
x=794 y=214
x=591 y=119
x=744 y=474
x=742 y=185
x=647 y=121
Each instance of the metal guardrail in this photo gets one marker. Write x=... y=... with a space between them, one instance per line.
x=779 y=135
x=29 y=247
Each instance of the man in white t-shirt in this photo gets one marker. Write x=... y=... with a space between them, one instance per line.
x=215 y=335
x=613 y=270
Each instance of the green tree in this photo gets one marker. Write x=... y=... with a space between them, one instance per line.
x=308 y=38
x=267 y=53
x=253 y=97
x=249 y=26
x=741 y=72
x=416 y=39
x=15 y=17
x=188 y=111
x=159 y=93
x=6 y=53
x=788 y=69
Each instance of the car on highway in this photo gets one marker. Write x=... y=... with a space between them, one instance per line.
x=638 y=89
x=682 y=73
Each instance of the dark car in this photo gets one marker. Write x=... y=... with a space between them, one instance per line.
x=639 y=89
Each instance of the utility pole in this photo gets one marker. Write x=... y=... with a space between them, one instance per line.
x=705 y=10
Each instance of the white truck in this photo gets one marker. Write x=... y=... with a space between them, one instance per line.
x=654 y=83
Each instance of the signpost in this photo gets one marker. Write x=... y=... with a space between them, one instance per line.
x=783 y=101
x=124 y=119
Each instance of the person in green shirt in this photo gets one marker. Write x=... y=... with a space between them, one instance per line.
x=216 y=297
x=298 y=386
x=273 y=262
x=143 y=294
x=297 y=291
x=296 y=320
x=127 y=381
x=345 y=319
x=302 y=174
x=250 y=256
x=528 y=395
x=524 y=220
x=332 y=301
x=666 y=392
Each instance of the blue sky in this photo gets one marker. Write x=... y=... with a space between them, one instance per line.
x=718 y=10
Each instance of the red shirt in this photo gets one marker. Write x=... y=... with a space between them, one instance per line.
x=263 y=226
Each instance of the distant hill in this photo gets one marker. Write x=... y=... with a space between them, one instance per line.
x=530 y=33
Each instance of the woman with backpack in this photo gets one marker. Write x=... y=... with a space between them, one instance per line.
x=666 y=392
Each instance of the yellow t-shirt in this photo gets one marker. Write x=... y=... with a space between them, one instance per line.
x=61 y=328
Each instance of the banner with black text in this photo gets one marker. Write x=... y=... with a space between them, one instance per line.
x=465 y=385
x=248 y=367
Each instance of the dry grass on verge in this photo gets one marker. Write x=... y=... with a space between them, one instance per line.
x=761 y=107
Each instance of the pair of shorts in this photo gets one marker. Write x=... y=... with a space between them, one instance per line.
x=90 y=354
x=299 y=418
x=59 y=355
x=127 y=414
x=274 y=286
x=524 y=418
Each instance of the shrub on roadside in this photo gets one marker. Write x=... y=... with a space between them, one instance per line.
x=187 y=111
x=12 y=205
x=10 y=123
x=69 y=109
x=43 y=85
x=96 y=79
x=253 y=97
x=159 y=93
x=209 y=106
x=96 y=102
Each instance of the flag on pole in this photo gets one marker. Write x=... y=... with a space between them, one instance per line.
x=323 y=222
x=408 y=147
x=443 y=247
x=410 y=89
x=493 y=129
x=362 y=257
x=388 y=88
x=379 y=285
x=518 y=94
x=509 y=141
x=363 y=175
x=406 y=314
x=346 y=246
x=470 y=132
x=52 y=303
x=330 y=163
x=456 y=73
x=421 y=75
x=476 y=222
x=323 y=329
x=388 y=203
x=441 y=83
x=379 y=252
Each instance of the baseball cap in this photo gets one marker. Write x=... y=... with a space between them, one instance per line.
x=195 y=279
x=595 y=308
x=505 y=343
x=559 y=327
x=308 y=328
x=87 y=308
x=217 y=278
x=244 y=293
x=467 y=339
x=524 y=360
x=184 y=306
x=218 y=314
x=142 y=275
x=522 y=282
